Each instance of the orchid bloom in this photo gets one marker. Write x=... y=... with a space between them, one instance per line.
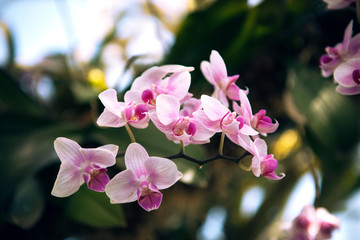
x=179 y=125
x=143 y=178
x=215 y=72
x=167 y=79
x=117 y=114
x=348 y=77
x=218 y=118
x=338 y=4
x=262 y=163
x=79 y=165
x=263 y=124
x=347 y=49
x=313 y=224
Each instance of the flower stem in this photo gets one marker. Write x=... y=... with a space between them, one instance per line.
x=182 y=148
x=131 y=135
x=221 y=146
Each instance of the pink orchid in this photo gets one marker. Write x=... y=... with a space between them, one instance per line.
x=313 y=224
x=338 y=4
x=218 y=118
x=179 y=125
x=348 y=77
x=143 y=178
x=263 y=124
x=168 y=79
x=342 y=52
x=117 y=114
x=79 y=165
x=215 y=72
x=262 y=163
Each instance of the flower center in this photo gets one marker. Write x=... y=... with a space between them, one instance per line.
x=356 y=76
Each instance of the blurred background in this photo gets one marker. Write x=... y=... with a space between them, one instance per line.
x=56 y=56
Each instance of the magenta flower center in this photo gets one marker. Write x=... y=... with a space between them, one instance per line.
x=184 y=125
x=356 y=76
x=148 y=97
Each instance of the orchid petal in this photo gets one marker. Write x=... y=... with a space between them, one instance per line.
x=98 y=156
x=232 y=91
x=343 y=73
x=109 y=119
x=218 y=66
x=213 y=108
x=109 y=100
x=68 y=181
x=167 y=108
x=261 y=146
x=179 y=84
x=99 y=181
x=110 y=147
x=69 y=151
x=132 y=96
x=202 y=133
x=135 y=155
x=273 y=176
x=201 y=116
x=163 y=128
x=122 y=188
x=150 y=201
x=348 y=91
x=205 y=67
x=162 y=172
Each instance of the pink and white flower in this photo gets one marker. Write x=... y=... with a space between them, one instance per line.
x=218 y=118
x=117 y=114
x=342 y=52
x=215 y=72
x=261 y=123
x=143 y=178
x=262 y=163
x=79 y=165
x=338 y=4
x=167 y=79
x=313 y=224
x=347 y=75
x=179 y=125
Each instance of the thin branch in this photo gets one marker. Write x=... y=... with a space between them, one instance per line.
x=211 y=159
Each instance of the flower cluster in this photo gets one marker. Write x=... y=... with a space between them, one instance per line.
x=343 y=61
x=313 y=224
x=161 y=95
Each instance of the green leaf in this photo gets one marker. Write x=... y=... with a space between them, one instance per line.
x=28 y=204
x=94 y=209
x=331 y=117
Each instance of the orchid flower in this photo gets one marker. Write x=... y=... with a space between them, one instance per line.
x=79 y=165
x=167 y=79
x=143 y=178
x=218 y=118
x=348 y=77
x=347 y=49
x=313 y=224
x=215 y=72
x=179 y=125
x=262 y=163
x=263 y=124
x=338 y=4
x=117 y=114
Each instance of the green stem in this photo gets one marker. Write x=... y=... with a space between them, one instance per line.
x=182 y=148
x=221 y=146
x=131 y=135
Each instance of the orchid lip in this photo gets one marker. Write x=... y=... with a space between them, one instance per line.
x=356 y=76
